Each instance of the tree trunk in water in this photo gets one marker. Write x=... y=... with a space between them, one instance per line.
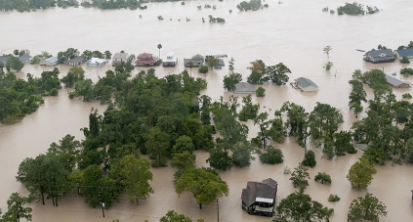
x=42 y=197
x=56 y=202
x=200 y=206
x=53 y=201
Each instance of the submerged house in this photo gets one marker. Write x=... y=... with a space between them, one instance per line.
x=170 y=60
x=396 y=83
x=197 y=60
x=244 y=87
x=52 y=61
x=259 y=198
x=376 y=56
x=23 y=59
x=77 y=61
x=96 y=62
x=405 y=53
x=146 y=59
x=306 y=85
x=118 y=58
x=220 y=64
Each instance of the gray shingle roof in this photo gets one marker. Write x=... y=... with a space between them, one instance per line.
x=405 y=52
x=382 y=54
x=244 y=87
x=78 y=59
x=53 y=59
x=304 y=82
x=24 y=58
x=393 y=81
x=120 y=56
x=266 y=189
x=4 y=59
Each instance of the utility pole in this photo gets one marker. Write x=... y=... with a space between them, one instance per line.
x=217 y=211
x=103 y=209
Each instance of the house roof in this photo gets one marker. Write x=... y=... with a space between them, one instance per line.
x=4 y=59
x=53 y=59
x=382 y=54
x=244 y=86
x=145 y=56
x=304 y=82
x=256 y=190
x=393 y=81
x=120 y=56
x=77 y=59
x=97 y=60
x=25 y=58
x=197 y=56
x=405 y=52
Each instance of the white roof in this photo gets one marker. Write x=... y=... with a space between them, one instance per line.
x=264 y=200
x=170 y=57
x=97 y=60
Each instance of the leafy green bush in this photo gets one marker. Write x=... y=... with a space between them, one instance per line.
x=203 y=69
x=272 y=156
x=406 y=71
x=260 y=92
x=332 y=11
x=407 y=96
x=251 y=5
x=323 y=177
x=405 y=60
x=309 y=159
x=351 y=9
x=328 y=66
x=333 y=198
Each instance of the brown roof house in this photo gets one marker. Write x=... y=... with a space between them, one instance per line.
x=259 y=198
x=146 y=59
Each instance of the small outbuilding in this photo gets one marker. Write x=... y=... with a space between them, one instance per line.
x=118 y=58
x=396 y=83
x=77 y=61
x=376 y=56
x=170 y=60
x=52 y=61
x=96 y=62
x=244 y=87
x=405 y=53
x=259 y=198
x=306 y=85
x=146 y=59
x=197 y=60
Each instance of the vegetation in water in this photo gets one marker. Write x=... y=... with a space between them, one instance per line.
x=299 y=177
x=333 y=198
x=405 y=60
x=216 y=20
x=38 y=58
x=407 y=96
x=406 y=71
x=27 y=6
x=231 y=80
x=351 y=9
x=361 y=173
x=367 y=208
x=323 y=177
x=272 y=156
x=260 y=92
x=251 y=5
x=261 y=73
x=203 y=69
x=328 y=66
x=309 y=159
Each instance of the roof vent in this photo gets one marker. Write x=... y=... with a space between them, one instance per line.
x=383 y=55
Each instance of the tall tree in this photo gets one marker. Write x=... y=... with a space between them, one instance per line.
x=108 y=55
x=249 y=110
x=173 y=216
x=157 y=143
x=327 y=50
x=159 y=46
x=368 y=208
x=14 y=63
x=205 y=186
x=183 y=160
x=361 y=173
x=231 y=80
x=263 y=135
x=219 y=159
x=242 y=154
x=297 y=121
x=299 y=177
x=182 y=144
x=76 y=73
x=298 y=207
x=16 y=209
x=278 y=73
x=212 y=62
x=324 y=121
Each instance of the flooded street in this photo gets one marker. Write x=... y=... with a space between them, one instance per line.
x=294 y=33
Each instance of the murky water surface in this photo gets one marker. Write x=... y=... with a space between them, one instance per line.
x=294 y=33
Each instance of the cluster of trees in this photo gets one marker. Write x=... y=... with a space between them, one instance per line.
x=409 y=46
x=351 y=9
x=110 y=4
x=16 y=209
x=357 y=94
x=253 y=5
x=97 y=54
x=67 y=55
x=28 y=5
x=12 y=63
x=261 y=73
x=216 y=20
x=19 y=97
x=38 y=58
x=387 y=129
x=406 y=71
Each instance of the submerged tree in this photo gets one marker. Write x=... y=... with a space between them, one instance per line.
x=231 y=80
x=278 y=73
x=16 y=209
x=367 y=208
x=299 y=177
x=361 y=173
x=173 y=216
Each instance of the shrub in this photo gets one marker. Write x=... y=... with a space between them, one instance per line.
x=273 y=156
x=309 y=159
x=406 y=71
x=405 y=60
x=351 y=9
x=322 y=177
x=407 y=96
x=333 y=198
x=287 y=170
x=53 y=92
x=160 y=17
x=203 y=69
x=260 y=92
x=332 y=11
x=328 y=66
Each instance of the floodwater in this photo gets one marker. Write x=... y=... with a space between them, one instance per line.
x=294 y=33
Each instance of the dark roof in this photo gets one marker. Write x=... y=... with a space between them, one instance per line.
x=24 y=58
x=393 y=81
x=266 y=189
x=304 y=82
x=4 y=59
x=78 y=59
x=405 y=52
x=382 y=54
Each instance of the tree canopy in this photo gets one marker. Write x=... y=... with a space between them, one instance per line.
x=367 y=208
x=361 y=173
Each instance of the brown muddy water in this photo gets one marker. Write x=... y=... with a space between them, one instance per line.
x=294 y=33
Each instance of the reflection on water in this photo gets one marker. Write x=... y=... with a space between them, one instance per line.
x=294 y=33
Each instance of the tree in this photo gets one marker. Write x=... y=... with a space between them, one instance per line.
x=14 y=63
x=75 y=74
x=367 y=208
x=278 y=73
x=159 y=46
x=190 y=64
x=136 y=175
x=405 y=60
x=1 y=67
x=183 y=160
x=203 y=69
x=242 y=154
x=323 y=177
x=309 y=159
x=182 y=144
x=256 y=78
x=327 y=50
x=260 y=92
x=263 y=134
x=231 y=64
x=299 y=177
x=249 y=110
x=324 y=121
x=361 y=173
x=16 y=209
x=212 y=62
x=329 y=147
x=205 y=186
x=108 y=55
x=16 y=52
x=296 y=123
x=343 y=144
x=231 y=80
x=272 y=156
x=298 y=207
x=219 y=159
x=173 y=216
x=157 y=143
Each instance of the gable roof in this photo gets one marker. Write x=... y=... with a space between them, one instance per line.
x=304 y=82
x=77 y=59
x=120 y=56
x=393 y=81
x=197 y=56
x=266 y=189
x=405 y=52
x=4 y=59
x=53 y=59
x=244 y=86
x=382 y=54
x=24 y=58
x=145 y=56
